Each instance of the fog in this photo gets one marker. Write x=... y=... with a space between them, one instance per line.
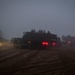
x=18 y=16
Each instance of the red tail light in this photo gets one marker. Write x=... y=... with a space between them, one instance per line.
x=44 y=43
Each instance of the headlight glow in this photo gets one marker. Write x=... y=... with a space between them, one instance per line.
x=0 y=44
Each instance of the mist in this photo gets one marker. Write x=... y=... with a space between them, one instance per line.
x=18 y=16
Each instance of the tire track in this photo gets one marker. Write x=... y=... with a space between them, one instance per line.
x=67 y=62
x=12 y=54
x=43 y=67
x=29 y=63
x=31 y=54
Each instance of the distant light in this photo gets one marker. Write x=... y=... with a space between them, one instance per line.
x=69 y=42
x=0 y=44
x=28 y=41
x=53 y=43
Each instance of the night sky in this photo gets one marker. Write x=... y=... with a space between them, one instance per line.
x=17 y=16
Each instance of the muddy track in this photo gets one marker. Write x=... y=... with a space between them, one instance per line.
x=37 y=62
x=67 y=61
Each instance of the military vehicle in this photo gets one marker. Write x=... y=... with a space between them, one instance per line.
x=68 y=41
x=36 y=40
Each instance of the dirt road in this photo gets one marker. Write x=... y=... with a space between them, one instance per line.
x=37 y=62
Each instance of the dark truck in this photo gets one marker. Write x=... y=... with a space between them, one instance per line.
x=36 y=40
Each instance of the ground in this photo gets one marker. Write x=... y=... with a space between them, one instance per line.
x=60 y=61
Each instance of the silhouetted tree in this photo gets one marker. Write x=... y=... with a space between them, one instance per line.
x=44 y=32
x=33 y=31
x=48 y=32
x=63 y=38
x=66 y=38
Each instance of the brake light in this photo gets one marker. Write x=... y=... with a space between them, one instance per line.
x=44 y=43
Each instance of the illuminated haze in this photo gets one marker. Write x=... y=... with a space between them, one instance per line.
x=17 y=16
